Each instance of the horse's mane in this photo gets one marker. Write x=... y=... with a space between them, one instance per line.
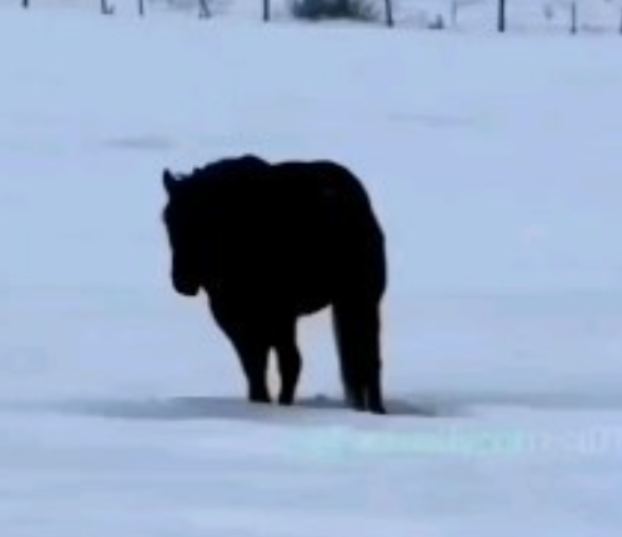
x=227 y=167
x=215 y=176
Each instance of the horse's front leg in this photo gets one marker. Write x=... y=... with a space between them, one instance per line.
x=254 y=360
x=252 y=349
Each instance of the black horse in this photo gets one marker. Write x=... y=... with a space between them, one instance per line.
x=271 y=242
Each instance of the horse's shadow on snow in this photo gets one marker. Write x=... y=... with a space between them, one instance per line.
x=307 y=411
x=311 y=411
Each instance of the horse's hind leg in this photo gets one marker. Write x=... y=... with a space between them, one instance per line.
x=357 y=331
x=289 y=360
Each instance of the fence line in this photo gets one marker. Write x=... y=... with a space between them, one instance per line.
x=572 y=9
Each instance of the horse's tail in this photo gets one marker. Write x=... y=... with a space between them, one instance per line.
x=350 y=376
x=352 y=356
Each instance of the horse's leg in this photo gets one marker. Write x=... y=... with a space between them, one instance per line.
x=345 y=337
x=252 y=348
x=289 y=360
x=357 y=331
x=253 y=355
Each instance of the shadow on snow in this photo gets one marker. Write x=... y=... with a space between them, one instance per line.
x=310 y=410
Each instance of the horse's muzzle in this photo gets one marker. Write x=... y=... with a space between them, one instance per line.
x=185 y=287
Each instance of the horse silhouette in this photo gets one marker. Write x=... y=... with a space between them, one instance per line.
x=271 y=242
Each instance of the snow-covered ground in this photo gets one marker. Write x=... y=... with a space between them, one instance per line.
x=494 y=164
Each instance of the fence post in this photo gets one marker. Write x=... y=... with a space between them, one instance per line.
x=105 y=8
x=204 y=11
x=574 y=17
x=454 y=13
x=501 y=16
x=388 y=8
x=266 y=10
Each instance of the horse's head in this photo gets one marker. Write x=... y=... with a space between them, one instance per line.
x=194 y=218
x=183 y=239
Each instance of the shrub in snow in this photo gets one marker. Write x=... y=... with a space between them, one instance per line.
x=362 y=10
x=438 y=23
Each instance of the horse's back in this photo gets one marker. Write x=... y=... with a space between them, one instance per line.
x=331 y=234
x=297 y=232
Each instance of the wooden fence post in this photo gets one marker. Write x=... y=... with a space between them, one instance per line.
x=105 y=8
x=388 y=8
x=501 y=16
x=266 y=10
x=204 y=10
x=574 y=18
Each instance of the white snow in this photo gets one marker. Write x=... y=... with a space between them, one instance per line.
x=494 y=163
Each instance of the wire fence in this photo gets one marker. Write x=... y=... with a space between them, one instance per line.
x=566 y=16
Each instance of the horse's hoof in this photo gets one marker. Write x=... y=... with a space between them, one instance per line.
x=261 y=399
x=359 y=407
x=376 y=407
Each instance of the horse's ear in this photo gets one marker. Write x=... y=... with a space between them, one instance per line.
x=169 y=181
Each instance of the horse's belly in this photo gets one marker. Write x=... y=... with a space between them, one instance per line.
x=303 y=293
x=312 y=303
